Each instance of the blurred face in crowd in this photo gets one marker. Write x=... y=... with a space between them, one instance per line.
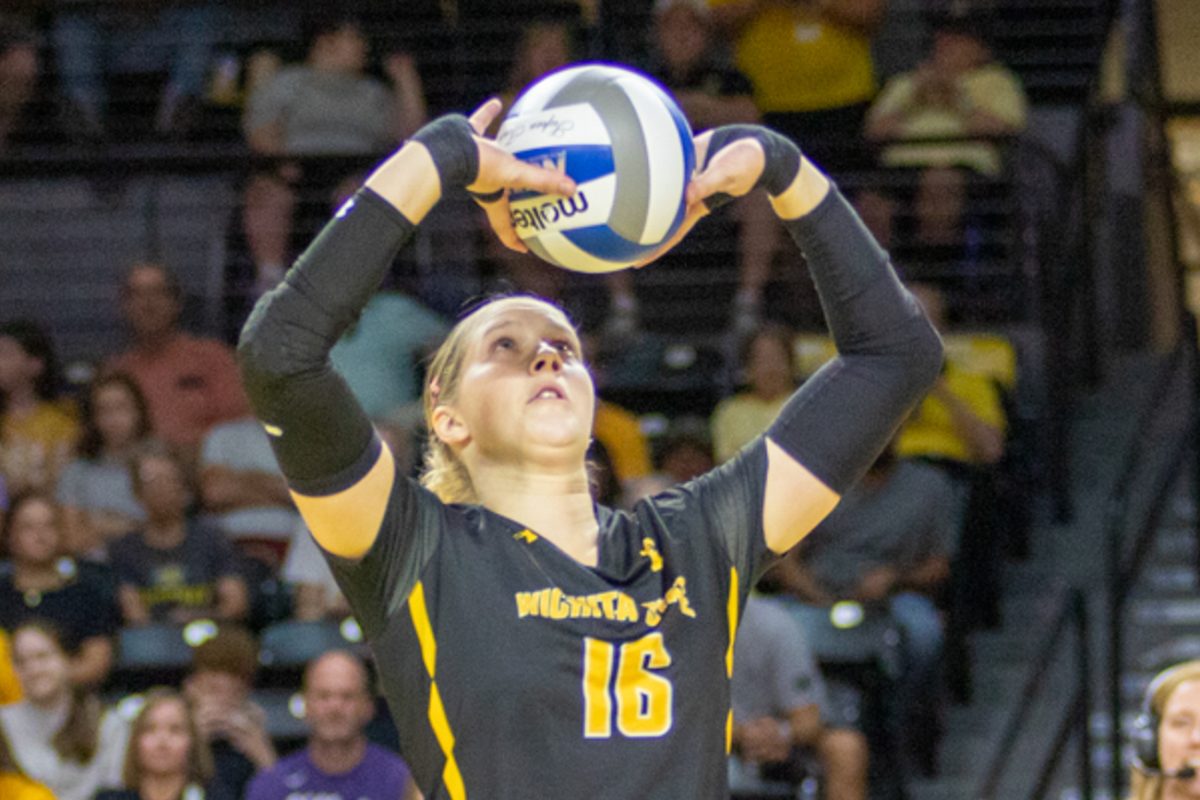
x=956 y=52
x=42 y=666
x=344 y=50
x=149 y=302
x=19 y=69
x=116 y=414
x=337 y=703
x=686 y=459
x=1179 y=737
x=33 y=535
x=161 y=487
x=544 y=47
x=164 y=739
x=682 y=35
x=19 y=370
x=215 y=688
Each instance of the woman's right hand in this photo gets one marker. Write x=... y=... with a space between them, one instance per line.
x=501 y=172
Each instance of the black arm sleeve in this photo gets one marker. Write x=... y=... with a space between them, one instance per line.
x=838 y=422
x=321 y=436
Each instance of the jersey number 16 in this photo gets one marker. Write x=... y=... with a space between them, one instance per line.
x=642 y=697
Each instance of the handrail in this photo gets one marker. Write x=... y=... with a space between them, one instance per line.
x=1121 y=575
x=1081 y=706
x=1047 y=650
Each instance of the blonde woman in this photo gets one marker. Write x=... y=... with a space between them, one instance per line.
x=531 y=642
x=167 y=758
x=1166 y=737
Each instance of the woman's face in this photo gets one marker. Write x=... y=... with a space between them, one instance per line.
x=165 y=739
x=116 y=415
x=42 y=666
x=525 y=394
x=18 y=369
x=1179 y=735
x=34 y=537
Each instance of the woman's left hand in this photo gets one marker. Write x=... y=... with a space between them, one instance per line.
x=734 y=171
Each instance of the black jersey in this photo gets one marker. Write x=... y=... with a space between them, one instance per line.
x=514 y=671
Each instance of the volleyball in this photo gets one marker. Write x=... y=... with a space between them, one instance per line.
x=626 y=144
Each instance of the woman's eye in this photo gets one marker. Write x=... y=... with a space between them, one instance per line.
x=563 y=346
x=505 y=343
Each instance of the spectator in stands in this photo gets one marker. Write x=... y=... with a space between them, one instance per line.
x=175 y=569
x=14 y=784
x=338 y=761
x=242 y=488
x=958 y=92
x=779 y=702
x=887 y=547
x=684 y=453
x=95 y=45
x=60 y=734
x=810 y=64
x=19 y=70
x=37 y=427
x=961 y=424
x=315 y=593
x=767 y=374
x=712 y=92
x=328 y=105
x=190 y=383
x=233 y=726
x=40 y=582
x=381 y=355
x=94 y=490
x=167 y=757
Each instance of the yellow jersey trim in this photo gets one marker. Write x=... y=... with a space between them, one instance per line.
x=732 y=611
x=419 y=611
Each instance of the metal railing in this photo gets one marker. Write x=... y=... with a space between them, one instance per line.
x=1072 y=616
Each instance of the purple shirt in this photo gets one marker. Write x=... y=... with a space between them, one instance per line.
x=381 y=775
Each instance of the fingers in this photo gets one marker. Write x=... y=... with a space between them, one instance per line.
x=733 y=170
x=481 y=119
x=501 y=222
x=539 y=179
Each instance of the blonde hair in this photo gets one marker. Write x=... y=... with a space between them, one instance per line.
x=199 y=761
x=443 y=472
x=1150 y=787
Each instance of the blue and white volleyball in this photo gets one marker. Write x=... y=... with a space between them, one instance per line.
x=626 y=144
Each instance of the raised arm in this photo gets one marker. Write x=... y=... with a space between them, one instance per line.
x=836 y=424
x=339 y=471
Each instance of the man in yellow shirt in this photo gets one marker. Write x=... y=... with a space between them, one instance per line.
x=810 y=64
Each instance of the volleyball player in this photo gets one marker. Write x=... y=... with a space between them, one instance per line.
x=531 y=643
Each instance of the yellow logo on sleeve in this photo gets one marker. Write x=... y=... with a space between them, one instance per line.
x=650 y=551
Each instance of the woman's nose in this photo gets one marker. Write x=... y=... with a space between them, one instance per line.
x=546 y=358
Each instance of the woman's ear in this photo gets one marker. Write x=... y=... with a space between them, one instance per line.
x=449 y=426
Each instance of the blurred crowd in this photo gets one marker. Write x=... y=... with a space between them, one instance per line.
x=145 y=499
